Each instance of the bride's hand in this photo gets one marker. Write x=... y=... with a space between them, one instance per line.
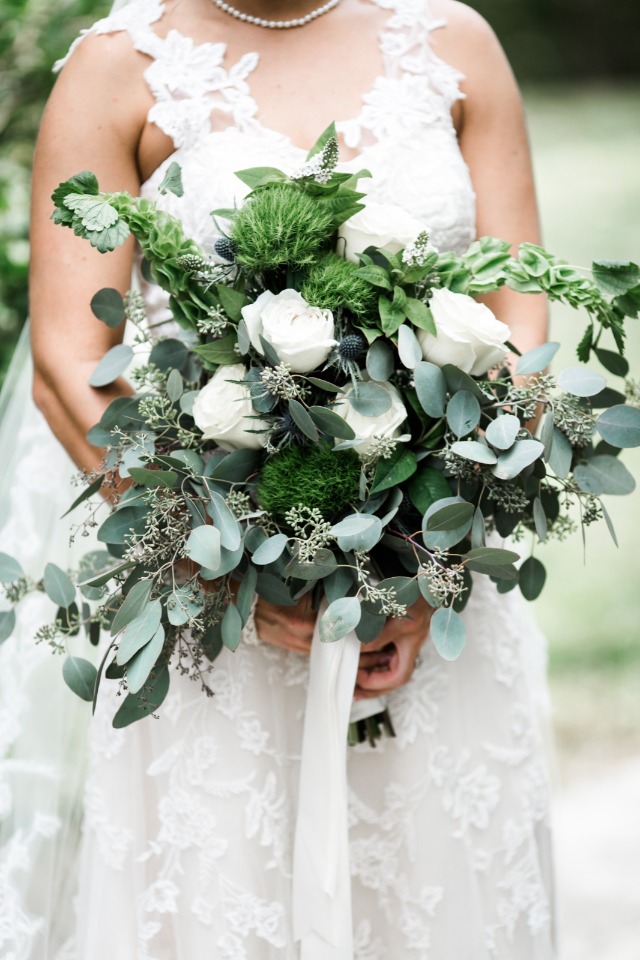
x=388 y=661
x=287 y=627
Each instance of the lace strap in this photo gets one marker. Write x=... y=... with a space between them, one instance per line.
x=134 y=18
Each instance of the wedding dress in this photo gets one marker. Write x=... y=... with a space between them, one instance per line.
x=186 y=848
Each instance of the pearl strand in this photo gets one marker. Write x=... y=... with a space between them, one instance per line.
x=276 y=24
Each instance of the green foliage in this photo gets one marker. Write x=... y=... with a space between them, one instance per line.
x=333 y=282
x=316 y=476
x=280 y=225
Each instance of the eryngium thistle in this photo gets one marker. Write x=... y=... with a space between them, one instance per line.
x=281 y=225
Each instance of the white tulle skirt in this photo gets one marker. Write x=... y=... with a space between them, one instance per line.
x=172 y=839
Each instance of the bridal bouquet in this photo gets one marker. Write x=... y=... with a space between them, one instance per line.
x=331 y=416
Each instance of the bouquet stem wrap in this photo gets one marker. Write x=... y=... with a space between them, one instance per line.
x=321 y=876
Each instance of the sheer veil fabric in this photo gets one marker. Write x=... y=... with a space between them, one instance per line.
x=172 y=840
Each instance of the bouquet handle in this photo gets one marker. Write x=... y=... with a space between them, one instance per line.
x=321 y=876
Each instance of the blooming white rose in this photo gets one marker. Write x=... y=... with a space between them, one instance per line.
x=469 y=336
x=301 y=335
x=366 y=428
x=383 y=225
x=222 y=410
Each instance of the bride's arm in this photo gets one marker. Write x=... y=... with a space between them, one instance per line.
x=92 y=122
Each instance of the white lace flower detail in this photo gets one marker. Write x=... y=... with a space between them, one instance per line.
x=131 y=18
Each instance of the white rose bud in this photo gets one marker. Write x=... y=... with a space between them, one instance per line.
x=222 y=410
x=469 y=336
x=301 y=335
x=386 y=424
x=383 y=225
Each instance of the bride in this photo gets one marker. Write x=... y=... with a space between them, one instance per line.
x=186 y=847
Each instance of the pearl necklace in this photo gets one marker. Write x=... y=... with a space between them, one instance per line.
x=276 y=24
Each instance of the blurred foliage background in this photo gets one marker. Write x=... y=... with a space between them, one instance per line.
x=578 y=64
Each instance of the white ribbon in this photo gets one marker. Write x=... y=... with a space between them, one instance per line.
x=321 y=876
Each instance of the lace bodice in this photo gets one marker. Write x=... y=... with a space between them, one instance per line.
x=205 y=104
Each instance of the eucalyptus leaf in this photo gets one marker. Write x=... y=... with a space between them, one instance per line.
x=58 y=586
x=184 y=605
x=273 y=590
x=80 y=676
x=394 y=470
x=136 y=706
x=107 y=305
x=10 y=569
x=369 y=399
x=604 y=475
x=540 y=519
x=448 y=633
x=450 y=517
x=537 y=359
x=7 y=624
x=138 y=633
x=475 y=451
x=323 y=565
x=560 y=455
x=478 y=532
x=341 y=617
x=613 y=362
x=511 y=463
x=379 y=361
x=409 y=349
x=426 y=486
x=113 y=364
x=463 y=413
x=532 y=578
x=175 y=386
x=169 y=354
x=431 y=388
x=581 y=382
x=230 y=532
x=457 y=379
x=303 y=420
x=231 y=627
x=444 y=539
x=503 y=431
x=141 y=665
x=86 y=494
x=134 y=604
x=546 y=432
x=359 y=531
x=609 y=523
x=246 y=593
x=271 y=549
x=236 y=466
x=147 y=477
x=331 y=423
x=620 y=426
x=203 y=546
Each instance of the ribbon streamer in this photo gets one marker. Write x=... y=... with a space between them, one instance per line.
x=321 y=876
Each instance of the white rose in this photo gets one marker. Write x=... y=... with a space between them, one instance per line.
x=301 y=335
x=222 y=410
x=469 y=336
x=366 y=428
x=383 y=225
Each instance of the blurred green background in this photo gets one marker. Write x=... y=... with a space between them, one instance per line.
x=578 y=64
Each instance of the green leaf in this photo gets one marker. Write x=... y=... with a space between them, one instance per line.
x=203 y=546
x=540 y=519
x=246 y=593
x=450 y=517
x=231 y=627
x=463 y=413
x=427 y=486
x=375 y=275
x=331 y=424
x=532 y=578
x=395 y=470
x=390 y=316
x=474 y=450
x=431 y=388
x=514 y=461
x=134 y=604
x=406 y=589
x=560 y=455
x=7 y=624
x=273 y=590
x=258 y=176
x=138 y=633
x=613 y=362
x=420 y=315
x=113 y=364
x=581 y=382
x=323 y=565
x=326 y=135
x=172 y=180
x=444 y=539
x=324 y=385
x=409 y=349
x=236 y=466
x=10 y=569
x=604 y=475
x=136 y=706
x=359 y=531
x=615 y=278
x=219 y=352
x=108 y=306
x=369 y=399
x=380 y=361
x=490 y=557
x=80 y=183
x=303 y=420
x=117 y=526
x=620 y=426
x=502 y=431
x=230 y=532
x=609 y=523
x=183 y=605
x=58 y=586
x=107 y=240
x=232 y=301
x=448 y=633
x=169 y=354
x=154 y=478
x=80 y=676
x=175 y=386
x=478 y=532
x=271 y=549
x=341 y=617
x=457 y=379
x=94 y=212
x=535 y=361
x=139 y=668
x=85 y=495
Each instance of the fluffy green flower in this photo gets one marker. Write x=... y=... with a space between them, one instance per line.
x=332 y=283
x=317 y=477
